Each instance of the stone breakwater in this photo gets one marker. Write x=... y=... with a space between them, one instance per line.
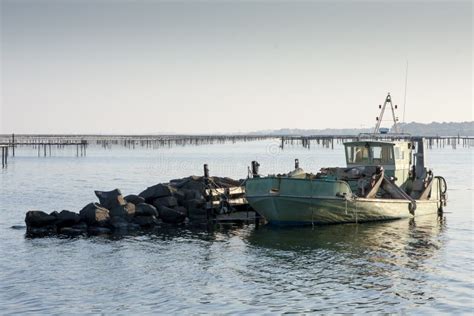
x=177 y=202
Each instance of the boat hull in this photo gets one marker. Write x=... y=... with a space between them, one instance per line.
x=301 y=202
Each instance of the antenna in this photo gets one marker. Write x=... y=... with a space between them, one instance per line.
x=405 y=97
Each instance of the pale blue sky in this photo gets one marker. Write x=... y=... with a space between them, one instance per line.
x=203 y=67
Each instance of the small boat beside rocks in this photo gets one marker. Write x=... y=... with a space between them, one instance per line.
x=385 y=178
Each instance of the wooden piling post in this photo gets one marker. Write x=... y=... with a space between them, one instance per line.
x=206 y=173
x=209 y=206
x=13 y=144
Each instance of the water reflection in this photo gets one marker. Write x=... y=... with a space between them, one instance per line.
x=421 y=234
x=376 y=267
x=386 y=262
x=414 y=239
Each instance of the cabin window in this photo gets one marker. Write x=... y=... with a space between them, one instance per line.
x=357 y=154
x=382 y=154
x=370 y=154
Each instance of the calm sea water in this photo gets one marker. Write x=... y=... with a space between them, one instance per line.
x=416 y=266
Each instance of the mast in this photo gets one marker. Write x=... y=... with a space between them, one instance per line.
x=388 y=100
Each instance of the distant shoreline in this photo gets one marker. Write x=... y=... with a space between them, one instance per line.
x=444 y=129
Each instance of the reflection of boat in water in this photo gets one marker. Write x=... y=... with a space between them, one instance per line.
x=392 y=260
x=415 y=237
x=385 y=179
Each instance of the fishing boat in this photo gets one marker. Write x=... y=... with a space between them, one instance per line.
x=385 y=178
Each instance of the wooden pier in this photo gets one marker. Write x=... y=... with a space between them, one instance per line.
x=327 y=141
x=45 y=143
x=158 y=141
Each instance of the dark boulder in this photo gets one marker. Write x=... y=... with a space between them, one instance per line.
x=125 y=211
x=193 y=195
x=95 y=230
x=178 y=183
x=118 y=224
x=157 y=191
x=198 y=183
x=38 y=219
x=225 y=182
x=67 y=218
x=145 y=209
x=174 y=216
x=194 y=203
x=167 y=201
x=94 y=215
x=80 y=225
x=110 y=199
x=180 y=196
x=197 y=215
x=135 y=199
x=190 y=183
x=181 y=210
x=133 y=226
x=44 y=231
x=146 y=221
x=70 y=231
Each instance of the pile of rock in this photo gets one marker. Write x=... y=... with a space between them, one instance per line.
x=176 y=202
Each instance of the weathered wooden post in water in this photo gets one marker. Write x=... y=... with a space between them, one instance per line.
x=208 y=196
x=4 y=155
x=13 y=144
